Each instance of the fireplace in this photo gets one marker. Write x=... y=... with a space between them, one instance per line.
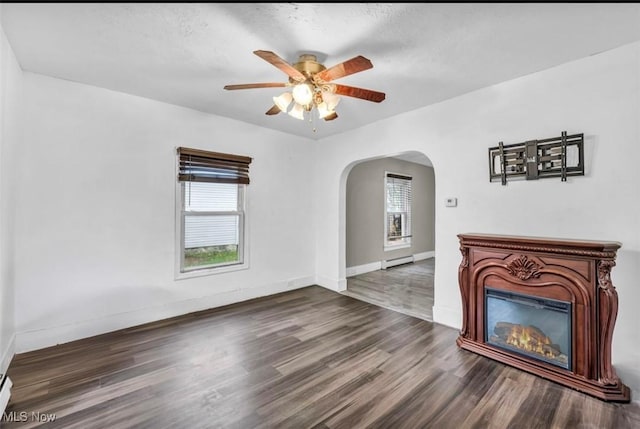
x=537 y=328
x=546 y=306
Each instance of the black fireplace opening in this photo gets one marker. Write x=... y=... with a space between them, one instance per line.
x=531 y=326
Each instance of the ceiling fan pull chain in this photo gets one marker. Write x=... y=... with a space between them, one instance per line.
x=312 y=120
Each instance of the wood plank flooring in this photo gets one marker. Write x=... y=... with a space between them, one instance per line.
x=309 y=358
x=405 y=288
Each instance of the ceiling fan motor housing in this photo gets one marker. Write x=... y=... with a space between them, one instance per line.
x=308 y=65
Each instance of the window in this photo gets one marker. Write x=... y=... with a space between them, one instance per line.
x=212 y=192
x=397 y=226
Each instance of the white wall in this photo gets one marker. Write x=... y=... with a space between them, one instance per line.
x=95 y=215
x=598 y=96
x=10 y=96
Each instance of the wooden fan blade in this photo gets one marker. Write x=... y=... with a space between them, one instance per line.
x=273 y=111
x=257 y=85
x=365 y=94
x=281 y=64
x=354 y=65
x=331 y=117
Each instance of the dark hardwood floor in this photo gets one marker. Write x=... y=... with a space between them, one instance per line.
x=405 y=288
x=309 y=358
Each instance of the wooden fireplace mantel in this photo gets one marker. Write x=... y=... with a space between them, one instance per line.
x=575 y=271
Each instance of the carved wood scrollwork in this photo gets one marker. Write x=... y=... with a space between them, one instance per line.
x=604 y=274
x=523 y=268
x=608 y=308
x=464 y=285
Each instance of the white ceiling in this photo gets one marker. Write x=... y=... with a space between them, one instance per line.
x=184 y=53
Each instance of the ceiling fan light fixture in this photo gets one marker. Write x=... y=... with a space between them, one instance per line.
x=323 y=110
x=302 y=94
x=331 y=99
x=283 y=101
x=297 y=111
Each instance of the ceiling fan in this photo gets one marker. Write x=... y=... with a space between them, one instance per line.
x=312 y=85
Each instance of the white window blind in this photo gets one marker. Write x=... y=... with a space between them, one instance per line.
x=201 y=228
x=398 y=210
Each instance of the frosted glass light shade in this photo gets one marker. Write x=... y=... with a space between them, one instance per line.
x=283 y=101
x=323 y=110
x=331 y=99
x=303 y=94
x=297 y=111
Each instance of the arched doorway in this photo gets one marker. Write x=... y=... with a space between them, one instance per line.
x=389 y=232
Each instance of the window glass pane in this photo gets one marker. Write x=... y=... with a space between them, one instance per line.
x=210 y=255
x=203 y=196
x=211 y=240
x=396 y=225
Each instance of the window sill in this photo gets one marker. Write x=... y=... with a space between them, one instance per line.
x=211 y=271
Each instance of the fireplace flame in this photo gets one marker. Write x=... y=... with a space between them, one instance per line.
x=531 y=340
x=528 y=339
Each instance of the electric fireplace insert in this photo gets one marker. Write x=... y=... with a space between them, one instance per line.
x=538 y=328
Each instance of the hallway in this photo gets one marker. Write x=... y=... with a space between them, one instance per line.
x=404 y=288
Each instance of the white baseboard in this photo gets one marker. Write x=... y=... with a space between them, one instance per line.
x=7 y=355
x=447 y=316
x=336 y=285
x=424 y=255
x=41 y=338
x=361 y=269
x=388 y=263
x=375 y=266
x=299 y=282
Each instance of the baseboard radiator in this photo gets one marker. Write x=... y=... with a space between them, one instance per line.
x=388 y=263
x=5 y=392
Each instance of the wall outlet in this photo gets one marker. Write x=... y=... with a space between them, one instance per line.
x=451 y=202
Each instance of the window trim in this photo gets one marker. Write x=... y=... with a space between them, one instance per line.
x=243 y=238
x=386 y=246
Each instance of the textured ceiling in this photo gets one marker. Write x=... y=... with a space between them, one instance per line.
x=184 y=53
